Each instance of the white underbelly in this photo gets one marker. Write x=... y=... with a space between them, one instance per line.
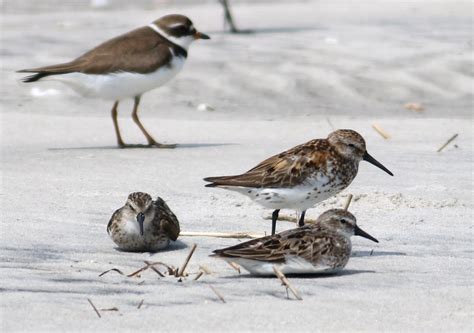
x=292 y=265
x=299 y=198
x=120 y=85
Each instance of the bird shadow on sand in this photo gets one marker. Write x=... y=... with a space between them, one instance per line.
x=269 y=30
x=345 y=272
x=174 y=246
x=178 y=146
x=377 y=253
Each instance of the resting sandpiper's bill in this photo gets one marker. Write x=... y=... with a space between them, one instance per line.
x=128 y=66
x=302 y=176
x=322 y=247
x=143 y=224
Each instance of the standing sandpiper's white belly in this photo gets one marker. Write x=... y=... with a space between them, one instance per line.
x=119 y=85
x=301 y=197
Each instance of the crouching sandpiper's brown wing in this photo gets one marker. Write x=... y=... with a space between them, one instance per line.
x=323 y=247
x=302 y=176
x=143 y=224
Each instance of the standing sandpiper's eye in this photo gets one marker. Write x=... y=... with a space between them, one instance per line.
x=351 y=145
x=344 y=221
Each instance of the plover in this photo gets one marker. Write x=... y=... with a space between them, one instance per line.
x=322 y=247
x=302 y=176
x=128 y=66
x=143 y=224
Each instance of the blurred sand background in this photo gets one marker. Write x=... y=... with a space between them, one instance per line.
x=308 y=67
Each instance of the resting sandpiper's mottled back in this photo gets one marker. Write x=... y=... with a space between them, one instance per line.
x=143 y=224
x=323 y=247
x=304 y=175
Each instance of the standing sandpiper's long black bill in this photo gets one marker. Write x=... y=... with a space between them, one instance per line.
x=373 y=161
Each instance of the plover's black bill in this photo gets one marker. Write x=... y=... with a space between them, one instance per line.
x=140 y=220
x=373 y=161
x=200 y=35
x=359 y=232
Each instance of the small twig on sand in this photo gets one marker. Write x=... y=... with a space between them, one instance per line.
x=381 y=131
x=95 y=309
x=153 y=268
x=205 y=269
x=110 y=309
x=140 y=304
x=234 y=266
x=110 y=270
x=219 y=234
x=348 y=202
x=290 y=219
x=198 y=276
x=286 y=283
x=447 y=142
x=181 y=270
x=217 y=293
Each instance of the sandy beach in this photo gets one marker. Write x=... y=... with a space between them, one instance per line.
x=306 y=69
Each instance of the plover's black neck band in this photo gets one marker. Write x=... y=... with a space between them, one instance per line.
x=178 y=50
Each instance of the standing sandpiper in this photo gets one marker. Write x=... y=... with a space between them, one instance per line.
x=143 y=224
x=322 y=247
x=128 y=66
x=304 y=175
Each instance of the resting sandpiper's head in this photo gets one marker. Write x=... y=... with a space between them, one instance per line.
x=351 y=145
x=179 y=30
x=342 y=221
x=139 y=203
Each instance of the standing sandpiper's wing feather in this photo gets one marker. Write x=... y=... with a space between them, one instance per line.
x=165 y=220
x=286 y=169
x=118 y=54
x=308 y=242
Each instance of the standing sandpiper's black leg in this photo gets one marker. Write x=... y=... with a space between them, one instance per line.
x=301 y=221
x=274 y=220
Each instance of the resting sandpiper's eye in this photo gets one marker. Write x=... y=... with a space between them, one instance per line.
x=351 y=145
x=344 y=221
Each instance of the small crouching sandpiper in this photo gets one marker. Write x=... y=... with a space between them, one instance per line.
x=143 y=224
x=322 y=247
x=128 y=66
x=302 y=176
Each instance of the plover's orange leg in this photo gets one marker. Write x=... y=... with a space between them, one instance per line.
x=149 y=138
x=116 y=126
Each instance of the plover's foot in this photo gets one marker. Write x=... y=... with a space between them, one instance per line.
x=162 y=145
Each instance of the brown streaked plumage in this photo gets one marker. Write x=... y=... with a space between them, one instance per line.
x=323 y=247
x=304 y=175
x=127 y=66
x=143 y=224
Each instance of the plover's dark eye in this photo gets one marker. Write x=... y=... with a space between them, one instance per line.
x=351 y=145
x=344 y=221
x=180 y=30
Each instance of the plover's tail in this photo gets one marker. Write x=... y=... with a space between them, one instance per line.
x=41 y=72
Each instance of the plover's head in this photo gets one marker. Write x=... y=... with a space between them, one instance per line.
x=178 y=29
x=341 y=221
x=351 y=145
x=139 y=203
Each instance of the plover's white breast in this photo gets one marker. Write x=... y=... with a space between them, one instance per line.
x=300 y=197
x=119 y=85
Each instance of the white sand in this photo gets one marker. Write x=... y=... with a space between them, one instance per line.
x=313 y=67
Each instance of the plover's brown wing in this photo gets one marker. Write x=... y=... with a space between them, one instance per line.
x=308 y=242
x=165 y=220
x=116 y=55
x=286 y=169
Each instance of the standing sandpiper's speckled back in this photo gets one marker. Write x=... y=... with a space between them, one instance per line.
x=143 y=224
x=322 y=247
x=304 y=175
